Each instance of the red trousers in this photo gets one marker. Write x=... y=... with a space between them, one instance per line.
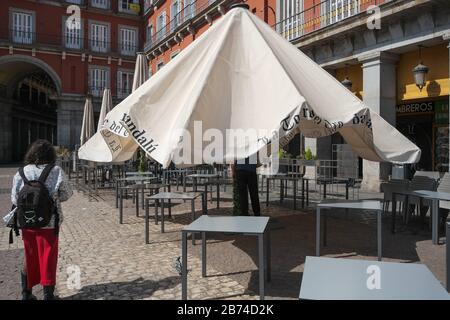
x=41 y=256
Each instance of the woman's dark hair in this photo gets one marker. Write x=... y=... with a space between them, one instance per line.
x=40 y=152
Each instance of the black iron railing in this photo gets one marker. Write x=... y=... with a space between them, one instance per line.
x=190 y=11
x=69 y=41
x=321 y=15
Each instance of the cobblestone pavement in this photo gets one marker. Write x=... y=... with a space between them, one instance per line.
x=116 y=264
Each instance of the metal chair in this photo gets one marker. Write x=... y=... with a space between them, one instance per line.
x=388 y=188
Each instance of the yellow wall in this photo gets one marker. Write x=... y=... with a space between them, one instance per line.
x=438 y=83
x=355 y=74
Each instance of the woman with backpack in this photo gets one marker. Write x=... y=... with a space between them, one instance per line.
x=38 y=190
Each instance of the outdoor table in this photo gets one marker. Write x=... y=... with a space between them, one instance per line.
x=256 y=226
x=169 y=196
x=351 y=279
x=434 y=196
x=348 y=204
x=217 y=183
x=283 y=179
x=269 y=174
x=136 y=179
x=326 y=181
x=195 y=177
x=136 y=188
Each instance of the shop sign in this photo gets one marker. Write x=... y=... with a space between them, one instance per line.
x=416 y=107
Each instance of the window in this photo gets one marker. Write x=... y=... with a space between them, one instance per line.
x=74 y=1
x=129 y=6
x=22 y=27
x=159 y=65
x=99 y=37
x=161 y=26
x=341 y=9
x=73 y=38
x=149 y=34
x=189 y=12
x=98 y=80
x=128 y=41
x=102 y=4
x=292 y=19
x=124 y=83
x=175 y=14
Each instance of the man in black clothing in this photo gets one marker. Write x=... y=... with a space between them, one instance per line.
x=247 y=181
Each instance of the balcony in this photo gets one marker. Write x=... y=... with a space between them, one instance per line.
x=322 y=15
x=180 y=21
x=69 y=42
x=129 y=6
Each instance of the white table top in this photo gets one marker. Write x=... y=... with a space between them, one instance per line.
x=347 y=279
x=175 y=196
x=137 y=178
x=351 y=204
x=233 y=224
x=203 y=175
x=433 y=194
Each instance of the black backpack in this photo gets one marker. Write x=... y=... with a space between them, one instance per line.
x=35 y=206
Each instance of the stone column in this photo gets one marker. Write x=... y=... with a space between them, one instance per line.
x=380 y=86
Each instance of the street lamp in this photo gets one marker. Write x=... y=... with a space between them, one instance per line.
x=420 y=72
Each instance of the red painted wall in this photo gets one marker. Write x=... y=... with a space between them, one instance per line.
x=49 y=32
x=264 y=9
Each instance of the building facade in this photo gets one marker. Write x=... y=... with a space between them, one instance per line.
x=374 y=45
x=52 y=54
x=171 y=25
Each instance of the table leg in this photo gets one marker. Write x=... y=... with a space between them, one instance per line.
x=317 y=231
x=268 y=256
x=324 y=190
x=303 y=193
x=346 y=190
x=394 y=211
x=162 y=216
x=193 y=217
x=147 y=236
x=307 y=193
x=281 y=191
x=295 y=194
x=142 y=196
x=262 y=272
x=117 y=194
x=194 y=182
x=203 y=254
x=325 y=225
x=379 y=235
x=170 y=203
x=121 y=206
x=218 y=195
x=156 y=211
x=435 y=221
x=267 y=192
x=137 y=202
x=184 y=266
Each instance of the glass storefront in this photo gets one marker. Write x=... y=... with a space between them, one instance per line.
x=426 y=124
